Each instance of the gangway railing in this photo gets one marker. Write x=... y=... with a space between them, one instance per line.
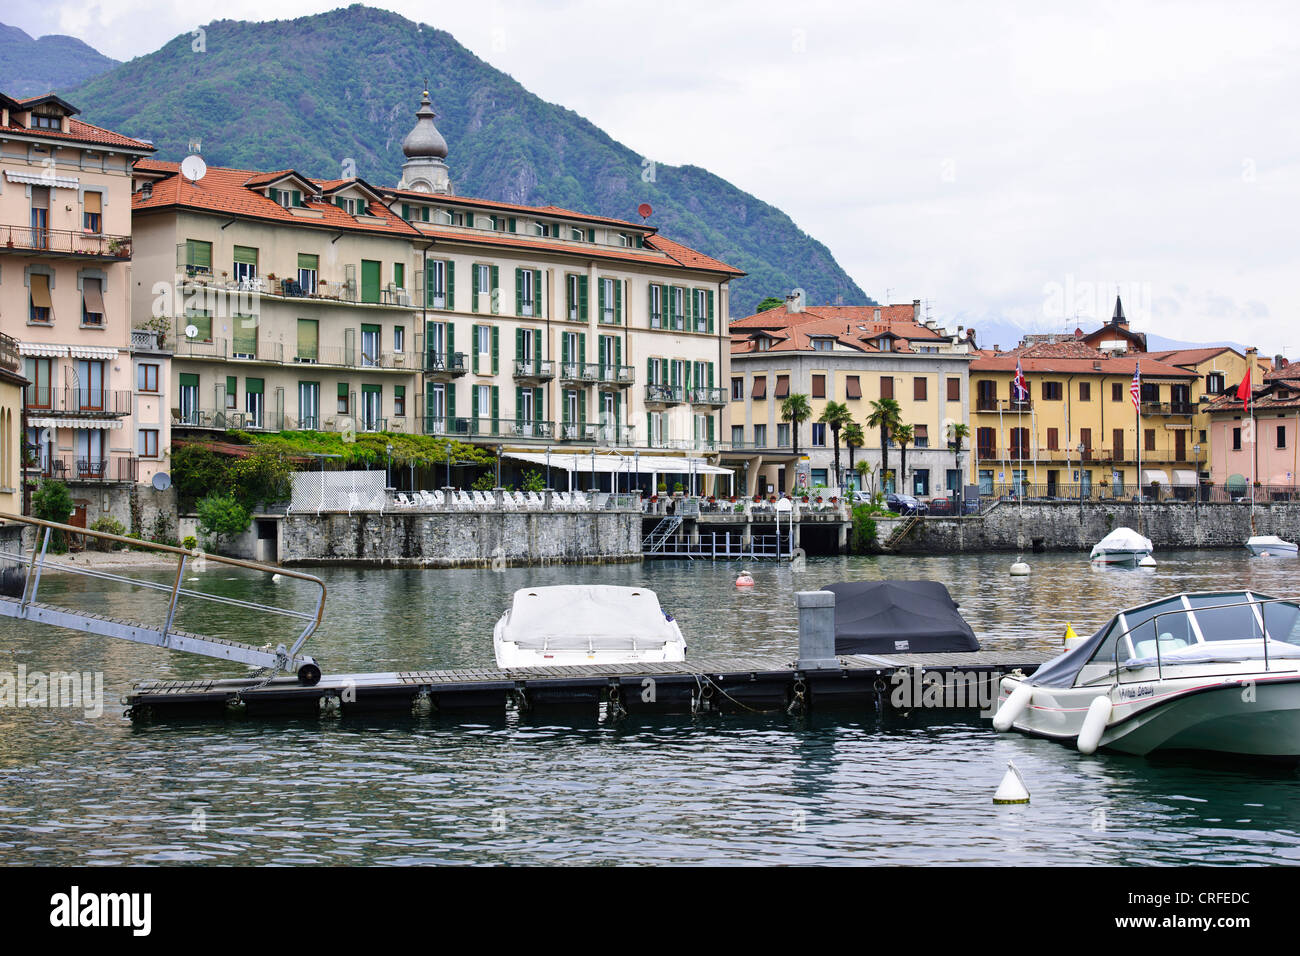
x=660 y=533
x=21 y=602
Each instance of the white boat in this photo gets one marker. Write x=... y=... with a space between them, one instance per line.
x=1121 y=546
x=586 y=624
x=1270 y=545
x=1216 y=671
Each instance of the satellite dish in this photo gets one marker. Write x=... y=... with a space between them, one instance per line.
x=193 y=168
x=191 y=331
x=644 y=210
x=162 y=481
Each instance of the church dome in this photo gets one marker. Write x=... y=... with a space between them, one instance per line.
x=424 y=141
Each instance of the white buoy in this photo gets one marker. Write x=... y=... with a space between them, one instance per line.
x=1094 y=725
x=1147 y=562
x=1012 y=789
x=1015 y=705
x=275 y=577
x=1020 y=569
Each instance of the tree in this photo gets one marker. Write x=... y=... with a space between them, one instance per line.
x=885 y=414
x=52 y=502
x=221 y=517
x=835 y=416
x=903 y=435
x=795 y=409
x=956 y=432
x=771 y=302
x=863 y=469
x=854 y=439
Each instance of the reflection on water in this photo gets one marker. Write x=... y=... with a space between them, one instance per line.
x=844 y=787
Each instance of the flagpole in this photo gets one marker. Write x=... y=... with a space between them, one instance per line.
x=1002 y=442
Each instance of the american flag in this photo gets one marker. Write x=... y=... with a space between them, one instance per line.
x=1020 y=385
x=1136 y=388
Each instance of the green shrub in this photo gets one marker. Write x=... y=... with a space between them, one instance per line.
x=190 y=542
x=52 y=502
x=533 y=481
x=221 y=517
x=484 y=482
x=109 y=525
x=862 y=537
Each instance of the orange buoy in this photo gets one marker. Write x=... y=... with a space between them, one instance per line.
x=744 y=581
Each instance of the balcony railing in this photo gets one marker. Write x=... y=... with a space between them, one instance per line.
x=579 y=372
x=985 y=404
x=707 y=396
x=1168 y=408
x=663 y=394
x=63 y=242
x=617 y=376
x=533 y=369
x=93 y=402
x=9 y=358
x=108 y=467
x=445 y=364
x=147 y=340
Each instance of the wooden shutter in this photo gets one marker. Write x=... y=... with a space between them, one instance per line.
x=474 y=289
x=954 y=390
x=451 y=285
x=886 y=386
x=519 y=292
x=496 y=350
x=537 y=292
x=496 y=286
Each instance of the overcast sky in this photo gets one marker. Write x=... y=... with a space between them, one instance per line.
x=1009 y=162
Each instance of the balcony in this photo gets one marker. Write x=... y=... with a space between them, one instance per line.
x=713 y=397
x=9 y=358
x=347 y=356
x=610 y=377
x=444 y=366
x=580 y=431
x=526 y=429
x=77 y=402
x=328 y=292
x=147 y=340
x=77 y=468
x=26 y=241
x=579 y=373
x=532 y=370
x=986 y=404
x=1168 y=408
x=661 y=396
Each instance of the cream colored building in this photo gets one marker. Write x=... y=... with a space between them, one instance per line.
x=65 y=288
x=12 y=389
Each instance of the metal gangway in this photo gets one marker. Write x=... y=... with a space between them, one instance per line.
x=660 y=533
x=19 y=590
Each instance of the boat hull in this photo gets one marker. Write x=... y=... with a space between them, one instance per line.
x=1119 y=557
x=1284 y=549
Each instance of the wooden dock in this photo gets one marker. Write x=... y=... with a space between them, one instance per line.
x=700 y=685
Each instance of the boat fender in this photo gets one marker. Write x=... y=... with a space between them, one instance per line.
x=1013 y=708
x=1094 y=725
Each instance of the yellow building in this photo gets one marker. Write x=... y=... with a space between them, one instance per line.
x=12 y=386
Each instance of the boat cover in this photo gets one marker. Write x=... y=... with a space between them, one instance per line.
x=1269 y=541
x=891 y=617
x=600 y=616
x=1122 y=539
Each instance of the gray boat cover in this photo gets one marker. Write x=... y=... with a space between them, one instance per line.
x=892 y=617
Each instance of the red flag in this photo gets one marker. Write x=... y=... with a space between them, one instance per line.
x=1243 y=390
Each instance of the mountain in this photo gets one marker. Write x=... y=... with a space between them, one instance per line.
x=31 y=67
x=311 y=92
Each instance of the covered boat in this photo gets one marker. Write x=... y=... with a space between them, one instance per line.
x=586 y=624
x=1270 y=545
x=898 y=617
x=1216 y=671
x=1121 y=546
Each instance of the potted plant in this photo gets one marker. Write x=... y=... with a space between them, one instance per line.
x=678 y=488
x=663 y=488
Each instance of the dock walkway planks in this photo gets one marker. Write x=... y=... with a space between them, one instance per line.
x=729 y=685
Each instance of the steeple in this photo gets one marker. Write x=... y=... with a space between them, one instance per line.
x=425 y=150
x=1118 y=317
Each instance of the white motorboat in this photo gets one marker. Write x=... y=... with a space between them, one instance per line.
x=1121 y=546
x=586 y=624
x=1270 y=545
x=1216 y=671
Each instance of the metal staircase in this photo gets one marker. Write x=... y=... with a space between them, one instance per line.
x=659 y=535
x=902 y=531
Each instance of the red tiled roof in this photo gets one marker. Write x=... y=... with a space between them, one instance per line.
x=450 y=200
x=779 y=318
x=798 y=337
x=1193 y=356
x=1052 y=358
x=688 y=258
x=80 y=132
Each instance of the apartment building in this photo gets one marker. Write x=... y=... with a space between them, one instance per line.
x=12 y=391
x=92 y=418
x=855 y=355
x=1257 y=441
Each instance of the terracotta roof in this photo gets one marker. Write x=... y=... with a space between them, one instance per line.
x=1052 y=358
x=1192 y=356
x=779 y=318
x=860 y=337
x=227 y=191
x=80 y=132
x=1263 y=398
x=449 y=200
x=1286 y=373
x=688 y=257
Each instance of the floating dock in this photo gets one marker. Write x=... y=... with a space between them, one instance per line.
x=700 y=685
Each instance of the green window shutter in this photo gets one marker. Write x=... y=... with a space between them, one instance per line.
x=564 y=349
x=428 y=401
x=297 y=197
x=710 y=375
x=450 y=392
x=649 y=371
x=537 y=349
x=496 y=406
x=519 y=292
x=376 y=329
x=254 y=386
x=232 y=385
x=245 y=255
x=582 y=406
x=688 y=303
x=307 y=262
x=189 y=381
x=474 y=289
x=537 y=405
x=537 y=292
x=582 y=297
x=519 y=402
x=618 y=352
x=406 y=211
x=451 y=340
x=451 y=285
x=308 y=332
x=710 y=314
x=399 y=391
x=648 y=432
x=496 y=350
x=243 y=333
x=591 y=235
x=474 y=409
x=582 y=346
x=424 y=213
x=370 y=272
x=666 y=296
x=519 y=345
x=650 y=302
x=511 y=224
x=199 y=253
x=399 y=275
x=710 y=428
x=473 y=337
x=496 y=288
x=564 y=406
x=618 y=301
x=600 y=299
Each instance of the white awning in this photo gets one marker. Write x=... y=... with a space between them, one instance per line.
x=1152 y=475
x=621 y=464
x=92 y=352
x=41 y=179
x=1184 y=478
x=75 y=422
x=45 y=351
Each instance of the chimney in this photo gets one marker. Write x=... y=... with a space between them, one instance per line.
x=1279 y=361
x=794 y=302
x=1078 y=333
x=916 y=311
x=146 y=191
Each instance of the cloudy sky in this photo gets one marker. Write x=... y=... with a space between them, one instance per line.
x=1009 y=163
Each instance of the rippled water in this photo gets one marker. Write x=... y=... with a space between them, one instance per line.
x=842 y=787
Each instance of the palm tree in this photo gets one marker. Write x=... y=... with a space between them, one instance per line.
x=853 y=439
x=885 y=414
x=903 y=435
x=795 y=409
x=836 y=415
x=863 y=469
x=956 y=432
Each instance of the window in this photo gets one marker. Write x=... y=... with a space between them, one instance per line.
x=41 y=309
x=1117 y=443
x=819 y=386
x=147 y=377
x=782 y=387
x=399 y=275
x=1281 y=436
x=678 y=302
x=611 y=301
x=886 y=386
x=1053 y=439
x=760 y=387
x=921 y=436
x=343 y=398
x=399 y=339
x=657 y=307
x=253 y=388
x=576 y=297
x=1051 y=391
x=1085 y=391
x=1019 y=438
x=198 y=257
x=487 y=296
x=1236 y=439
x=782 y=434
x=308 y=337
x=526 y=292
x=372 y=408
x=40 y=213
x=399 y=401
x=435 y=272
x=370 y=339
x=885 y=344
x=823 y=345
x=309 y=405
x=307 y=273
x=921 y=481
x=92 y=301
x=232 y=392
x=1214 y=383
x=737 y=436
x=92 y=218
x=1149 y=439
x=760 y=436
x=737 y=389
x=918 y=389
x=954 y=390
x=148 y=446
x=189 y=398
x=245 y=264
x=764 y=343
x=483 y=339
x=42 y=121
x=1117 y=391
x=819 y=434
x=702 y=310
x=852 y=386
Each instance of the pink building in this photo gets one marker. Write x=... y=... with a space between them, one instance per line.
x=1263 y=447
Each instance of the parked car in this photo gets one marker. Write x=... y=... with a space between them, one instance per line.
x=905 y=505
x=942 y=506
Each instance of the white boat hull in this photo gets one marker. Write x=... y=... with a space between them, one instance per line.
x=510 y=655
x=1279 y=548
x=1119 y=557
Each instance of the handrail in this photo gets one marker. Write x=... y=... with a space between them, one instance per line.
x=313 y=618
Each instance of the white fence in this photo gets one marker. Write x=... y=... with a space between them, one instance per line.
x=317 y=491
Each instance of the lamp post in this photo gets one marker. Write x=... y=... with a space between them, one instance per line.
x=1196 y=454
x=388 y=465
x=1081 y=450
x=498 y=484
x=548 y=466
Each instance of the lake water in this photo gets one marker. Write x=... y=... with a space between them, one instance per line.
x=838 y=787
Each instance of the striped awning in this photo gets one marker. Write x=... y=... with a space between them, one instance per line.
x=108 y=423
x=42 y=350
x=92 y=352
x=41 y=179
